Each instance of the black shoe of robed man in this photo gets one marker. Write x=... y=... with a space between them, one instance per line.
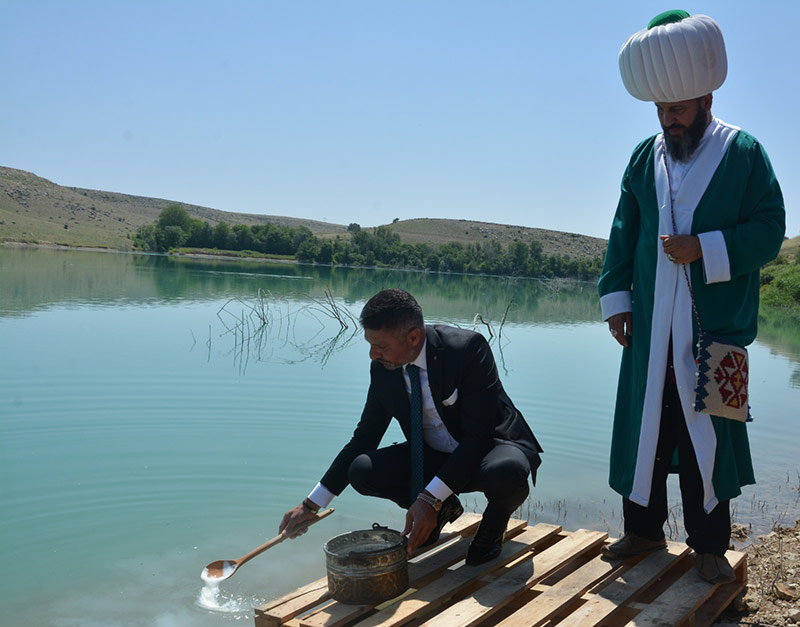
x=488 y=540
x=713 y=568
x=451 y=510
x=631 y=545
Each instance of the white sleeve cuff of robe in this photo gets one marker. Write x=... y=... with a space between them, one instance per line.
x=439 y=489
x=615 y=303
x=321 y=496
x=716 y=265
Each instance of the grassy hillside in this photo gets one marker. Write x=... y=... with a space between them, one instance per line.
x=439 y=231
x=33 y=209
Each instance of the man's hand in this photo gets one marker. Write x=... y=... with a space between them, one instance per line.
x=294 y=517
x=421 y=519
x=681 y=248
x=621 y=324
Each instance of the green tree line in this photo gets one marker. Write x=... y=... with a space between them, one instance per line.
x=376 y=247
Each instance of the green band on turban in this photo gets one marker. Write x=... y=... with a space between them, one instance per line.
x=668 y=17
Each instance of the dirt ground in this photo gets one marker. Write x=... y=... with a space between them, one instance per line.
x=772 y=595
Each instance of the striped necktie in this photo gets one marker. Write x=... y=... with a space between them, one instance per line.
x=415 y=439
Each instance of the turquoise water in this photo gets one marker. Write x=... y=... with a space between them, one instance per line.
x=149 y=424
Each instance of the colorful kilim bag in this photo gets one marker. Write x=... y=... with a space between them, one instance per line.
x=723 y=367
x=722 y=377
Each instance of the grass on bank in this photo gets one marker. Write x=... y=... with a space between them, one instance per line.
x=240 y=254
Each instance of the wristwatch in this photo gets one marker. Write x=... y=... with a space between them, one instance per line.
x=427 y=497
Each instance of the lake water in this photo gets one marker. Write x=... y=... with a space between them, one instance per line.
x=150 y=424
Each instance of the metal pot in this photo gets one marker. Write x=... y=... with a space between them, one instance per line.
x=367 y=567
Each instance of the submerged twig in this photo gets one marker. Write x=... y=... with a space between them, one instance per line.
x=479 y=318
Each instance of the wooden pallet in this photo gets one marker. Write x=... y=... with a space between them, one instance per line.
x=544 y=576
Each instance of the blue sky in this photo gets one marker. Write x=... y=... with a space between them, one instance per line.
x=346 y=111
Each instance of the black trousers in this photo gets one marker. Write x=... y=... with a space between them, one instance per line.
x=706 y=533
x=386 y=473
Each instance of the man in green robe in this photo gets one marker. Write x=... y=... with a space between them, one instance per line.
x=701 y=196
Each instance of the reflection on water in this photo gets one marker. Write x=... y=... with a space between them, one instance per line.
x=31 y=279
x=158 y=413
x=780 y=330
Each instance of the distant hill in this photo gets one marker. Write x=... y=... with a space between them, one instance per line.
x=790 y=247
x=440 y=231
x=33 y=209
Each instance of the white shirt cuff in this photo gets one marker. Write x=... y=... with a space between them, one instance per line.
x=616 y=303
x=321 y=496
x=716 y=264
x=439 y=489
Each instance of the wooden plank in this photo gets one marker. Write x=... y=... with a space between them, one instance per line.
x=680 y=601
x=430 y=566
x=432 y=596
x=571 y=587
x=283 y=609
x=494 y=595
x=716 y=604
x=311 y=587
x=268 y=621
x=465 y=525
x=611 y=598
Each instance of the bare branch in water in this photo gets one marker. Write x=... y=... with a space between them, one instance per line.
x=330 y=308
x=260 y=323
x=503 y=321
x=479 y=318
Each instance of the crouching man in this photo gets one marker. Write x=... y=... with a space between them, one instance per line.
x=463 y=433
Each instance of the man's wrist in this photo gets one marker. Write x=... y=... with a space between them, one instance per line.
x=310 y=506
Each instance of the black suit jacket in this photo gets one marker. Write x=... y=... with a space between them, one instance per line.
x=481 y=417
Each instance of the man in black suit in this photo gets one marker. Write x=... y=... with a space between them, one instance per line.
x=468 y=434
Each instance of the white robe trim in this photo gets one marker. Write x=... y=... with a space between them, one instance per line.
x=615 y=303
x=672 y=312
x=716 y=265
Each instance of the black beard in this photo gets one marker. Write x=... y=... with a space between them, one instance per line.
x=682 y=148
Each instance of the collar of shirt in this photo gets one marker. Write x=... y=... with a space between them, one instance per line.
x=422 y=359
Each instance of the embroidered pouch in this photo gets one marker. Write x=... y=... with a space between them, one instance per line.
x=723 y=372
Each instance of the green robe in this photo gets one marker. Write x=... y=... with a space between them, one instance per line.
x=740 y=203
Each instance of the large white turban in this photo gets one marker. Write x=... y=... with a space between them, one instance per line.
x=677 y=57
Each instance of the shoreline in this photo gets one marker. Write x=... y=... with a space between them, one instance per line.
x=97 y=249
x=221 y=257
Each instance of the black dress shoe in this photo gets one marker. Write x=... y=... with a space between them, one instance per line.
x=481 y=551
x=488 y=540
x=451 y=510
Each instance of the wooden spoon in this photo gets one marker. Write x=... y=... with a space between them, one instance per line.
x=222 y=569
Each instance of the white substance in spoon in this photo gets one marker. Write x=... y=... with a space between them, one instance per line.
x=228 y=568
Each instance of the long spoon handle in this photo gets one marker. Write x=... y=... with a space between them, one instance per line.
x=280 y=538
